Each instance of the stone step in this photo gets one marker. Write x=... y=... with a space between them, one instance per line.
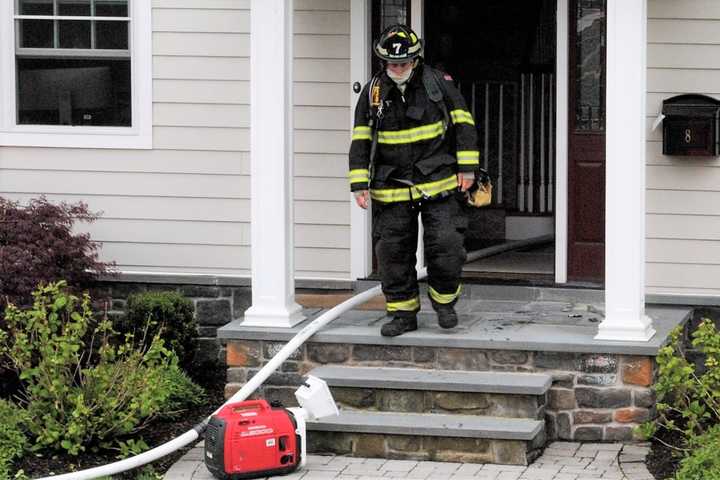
x=434 y=380
x=457 y=438
x=508 y=395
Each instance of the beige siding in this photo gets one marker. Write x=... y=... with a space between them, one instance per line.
x=683 y=195
x=322 y=119
x=184 y=206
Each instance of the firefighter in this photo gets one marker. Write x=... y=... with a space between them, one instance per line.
x=414 y=148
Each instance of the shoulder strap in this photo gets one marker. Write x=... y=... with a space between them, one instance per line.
x=373 y=120
x=436 y=92
x=432 y=85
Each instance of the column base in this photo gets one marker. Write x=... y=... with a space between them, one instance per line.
x=625 y=328
x=273 y=317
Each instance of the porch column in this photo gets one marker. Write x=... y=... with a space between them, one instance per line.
x=271 y=151
x=625 y=317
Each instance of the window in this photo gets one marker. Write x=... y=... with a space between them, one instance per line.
x=76 y=73
x=590 y=65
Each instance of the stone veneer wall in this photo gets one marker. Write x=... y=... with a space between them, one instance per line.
x=215 y=306
x=594 y=397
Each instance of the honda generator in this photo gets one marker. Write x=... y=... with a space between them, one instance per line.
x=254 y=439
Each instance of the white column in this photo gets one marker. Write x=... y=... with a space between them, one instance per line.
x=360 y=224
x=561 y=141
x=271 y=152
x=625 y=317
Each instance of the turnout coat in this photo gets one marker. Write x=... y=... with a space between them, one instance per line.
x=421 y=144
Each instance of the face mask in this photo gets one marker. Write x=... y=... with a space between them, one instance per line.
x=399 y=79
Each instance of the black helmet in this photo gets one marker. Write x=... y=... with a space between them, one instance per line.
x=398 y=43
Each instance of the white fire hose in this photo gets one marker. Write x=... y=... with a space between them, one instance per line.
x=259 y=378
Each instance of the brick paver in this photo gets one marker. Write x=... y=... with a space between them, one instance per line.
x=560 y=461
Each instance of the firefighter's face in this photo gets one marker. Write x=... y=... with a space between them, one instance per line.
x=399 y=69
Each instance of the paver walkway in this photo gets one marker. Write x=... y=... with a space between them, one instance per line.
x=560 y=461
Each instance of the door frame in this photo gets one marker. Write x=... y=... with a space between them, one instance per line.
x=360 y=42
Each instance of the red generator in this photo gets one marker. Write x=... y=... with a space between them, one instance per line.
x=253 y=439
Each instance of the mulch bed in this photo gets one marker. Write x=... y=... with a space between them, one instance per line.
x=663 y=461
x=211 y=378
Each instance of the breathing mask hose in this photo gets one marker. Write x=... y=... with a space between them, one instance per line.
x=308 y=331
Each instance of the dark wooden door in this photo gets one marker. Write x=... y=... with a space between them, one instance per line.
x=586 y=142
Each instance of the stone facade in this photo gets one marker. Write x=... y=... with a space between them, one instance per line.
x=594 y=397
x=440 y=449
x=215 y=306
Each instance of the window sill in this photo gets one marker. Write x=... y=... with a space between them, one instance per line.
x=76 y=137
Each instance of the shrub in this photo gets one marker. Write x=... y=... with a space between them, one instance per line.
x=12 y=437
x=688 y=402
x=169 y=314
x=37 y=245
x=82 y=384
x=703 y=463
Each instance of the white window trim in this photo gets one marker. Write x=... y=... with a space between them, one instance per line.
x=139 y=136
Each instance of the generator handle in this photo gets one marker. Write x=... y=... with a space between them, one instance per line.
x=248 y=404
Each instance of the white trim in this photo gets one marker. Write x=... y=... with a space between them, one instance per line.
x=417 y=17
x=625 y=317
x=72 y=17
x=561 y=140
x=360 y=236
x=271 y=166
x=417 y=23
x=139 y=136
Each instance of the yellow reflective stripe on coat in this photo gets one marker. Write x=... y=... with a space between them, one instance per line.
x=421 y=190
x=411 y=135
x=443 y=298
x=362 y=133
x=404 y=306
x=360 y=175
x=462 y=116
x=468 y=157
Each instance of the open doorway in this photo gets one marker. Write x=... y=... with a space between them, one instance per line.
x=502 y=56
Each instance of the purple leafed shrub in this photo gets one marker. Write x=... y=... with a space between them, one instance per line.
x=38 y=245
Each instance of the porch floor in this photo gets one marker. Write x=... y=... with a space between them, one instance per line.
x=508 y=318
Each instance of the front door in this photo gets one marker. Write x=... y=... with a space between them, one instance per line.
x=586 y=142
x=503 y=56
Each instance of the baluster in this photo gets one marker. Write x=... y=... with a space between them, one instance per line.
x=521 y=178
x=487 y=126
x=541 y=199
x=531 y=146
x=501 y=128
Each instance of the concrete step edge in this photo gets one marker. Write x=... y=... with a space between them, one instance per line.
x=434 y=380
x=430 y=424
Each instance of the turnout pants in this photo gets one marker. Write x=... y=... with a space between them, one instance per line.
x=395 y=233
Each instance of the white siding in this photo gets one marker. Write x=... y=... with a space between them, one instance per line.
x=322 y=119
x=184 y=206
x=683 y=195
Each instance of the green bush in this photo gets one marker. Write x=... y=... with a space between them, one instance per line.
x=688 y=401
x=82 y=385
x=169 y=314
x=13 y=441
x=703 y=463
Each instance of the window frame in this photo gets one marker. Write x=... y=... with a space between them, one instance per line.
x=137 y=136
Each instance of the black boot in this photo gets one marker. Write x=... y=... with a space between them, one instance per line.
x=398 y=326
x=447 y=318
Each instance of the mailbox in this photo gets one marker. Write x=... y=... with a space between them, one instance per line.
x=691 y=126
